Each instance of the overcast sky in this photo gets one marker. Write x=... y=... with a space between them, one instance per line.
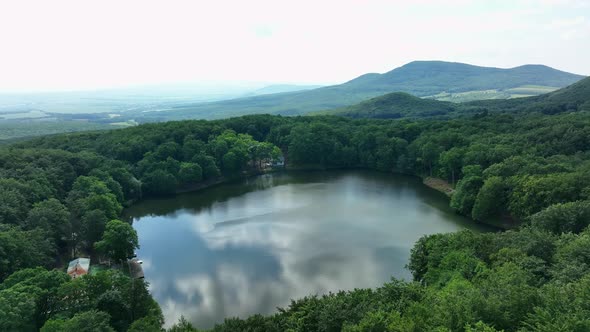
x=58 y=44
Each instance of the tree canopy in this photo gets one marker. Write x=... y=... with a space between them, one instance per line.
x=529 y=171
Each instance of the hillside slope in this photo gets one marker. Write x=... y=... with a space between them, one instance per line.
x=420 y=78
x=393 y=106
x=423 y=78
x=577 y=94
x=575 y=97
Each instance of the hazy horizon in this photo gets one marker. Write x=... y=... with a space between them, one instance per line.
x=71 y=45
x=207 y=86
x=214 y=86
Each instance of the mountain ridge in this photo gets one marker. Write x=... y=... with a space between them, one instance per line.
x=573 y=98
x=460 y=77
x=420 y=78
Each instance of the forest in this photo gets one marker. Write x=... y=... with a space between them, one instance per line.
x=526 y=172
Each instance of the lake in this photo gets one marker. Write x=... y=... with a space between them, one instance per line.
x=250 y=246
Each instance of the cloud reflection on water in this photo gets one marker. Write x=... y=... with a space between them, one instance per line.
x=258 y=250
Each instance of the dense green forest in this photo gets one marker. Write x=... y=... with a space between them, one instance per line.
x=61 y=196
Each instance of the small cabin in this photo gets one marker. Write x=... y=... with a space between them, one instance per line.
x=79 y=267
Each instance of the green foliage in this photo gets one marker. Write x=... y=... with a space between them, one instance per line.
x=454 y=306
x=562 y=218
x=465 y=195
x=146 y=324
x=562 y=308
x=533 y=193
x=93 y=224
x=393 y=106
x=190 y=172
x=182 y=326
x=22 y=249
x=480 y=327
x=52 y=217
x=35 y=298
x=159 y=182
x=90 y=193
x=508 y=293
x=231 y=162
x=13 y=209
x=90 y=321
x=207 y=163
x=130 y=186
x=167 y=150
x=18 y=311
x=458 y=263
x=26 y=298
x=491 y=199
x=106 y=203
x=452 y=160
x=380 y=322
x=572 y=257
x=118 y=241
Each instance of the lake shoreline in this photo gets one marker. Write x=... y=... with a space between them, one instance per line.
x=436 y=184
x=439 y=185
x=317 y=225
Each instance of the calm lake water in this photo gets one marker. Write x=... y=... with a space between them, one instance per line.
x=247 y=247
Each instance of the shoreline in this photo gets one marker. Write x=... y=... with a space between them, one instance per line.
x=433 y=183
x=439 y=185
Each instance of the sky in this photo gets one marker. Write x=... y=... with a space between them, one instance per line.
x=82 y=44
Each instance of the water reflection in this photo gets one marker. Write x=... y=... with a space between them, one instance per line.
x=248 y=247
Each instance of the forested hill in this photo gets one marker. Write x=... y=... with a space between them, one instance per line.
x=577 y=94
x=573 y=98
x=425 y=78
x=420 y=78
x=395 y=105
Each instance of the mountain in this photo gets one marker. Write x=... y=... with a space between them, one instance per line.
x=573 y=98
x=425 y=78
x=395 y=105
x=420 y=78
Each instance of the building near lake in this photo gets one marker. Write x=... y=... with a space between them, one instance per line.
x=79 y=267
